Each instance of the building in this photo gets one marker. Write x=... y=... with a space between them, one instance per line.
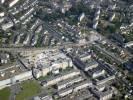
x=129 y=44
x=35 y=25
x=34 y=40
x=30 y=11
x=17 y=39
x=103 y=93
x=6 y=26
x=39 y=29
x=65 y=92
x=13 y=74
x=112 y=17
x=103 y=79
x=2 y=1
x=13 y=2
x=95 y=24
x=96 y=72
x=2 y=19
x=74 y=88
x=96 y=19
x=118 y=38
x=66 y=6
x=86 y=65
x=51 y=60
x=128 y=65
x=82 y=85
x=26 y=40
x=2 y=13
x=43 y=97
x=68 y=82
x=4 y=58
x=81 y=17
x=85 y=57
x=90 y=64
x=62 y=76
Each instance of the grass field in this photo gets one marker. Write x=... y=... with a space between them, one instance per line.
x=4 y=94
x=29 y=88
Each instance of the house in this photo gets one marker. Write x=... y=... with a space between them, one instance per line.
x=112 y=17
x=12 y=3
x=6 y=26
x=81 y=17
x=129 y=44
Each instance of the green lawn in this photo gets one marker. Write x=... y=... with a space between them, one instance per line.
x=129 y=37
x=4 y=94
x=29 y=88
x=42 y=78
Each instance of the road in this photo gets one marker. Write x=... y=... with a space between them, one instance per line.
x=22 y=49
x=15 y=89
x=116 y=46
x=67 y=45
x=112 y=56
x=52 y=31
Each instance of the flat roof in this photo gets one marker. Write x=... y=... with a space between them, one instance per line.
x=62 y=74
x=103 y=93
x=73 y=79
x=49 y=58
x=95 y=70
x=10 y=72
x=74 y=86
